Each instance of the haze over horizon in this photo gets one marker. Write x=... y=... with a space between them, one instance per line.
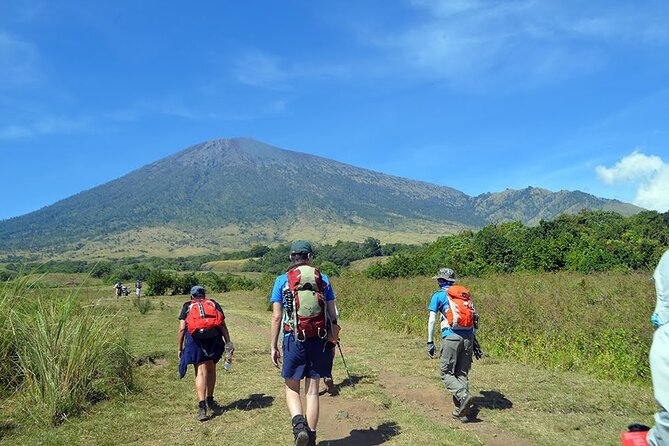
x=475 y=95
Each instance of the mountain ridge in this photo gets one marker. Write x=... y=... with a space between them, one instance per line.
x=228 y=193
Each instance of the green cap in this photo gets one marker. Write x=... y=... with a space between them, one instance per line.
x=300 y=247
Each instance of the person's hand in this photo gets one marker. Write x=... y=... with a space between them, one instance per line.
x=276 y=357
x=229 y=346
x=430 y=349
x=179 y=352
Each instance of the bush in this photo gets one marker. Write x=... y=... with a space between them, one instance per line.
x=69 y=356
x=158 y=283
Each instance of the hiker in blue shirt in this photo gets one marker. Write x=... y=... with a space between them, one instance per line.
x=659 y=354
x=456 y=346
x=307 y=352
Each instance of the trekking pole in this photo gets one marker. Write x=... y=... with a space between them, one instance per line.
x=345 y=366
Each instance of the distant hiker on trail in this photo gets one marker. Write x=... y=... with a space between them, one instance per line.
x=659 y=354
x=202 y=325
x=138 y=287
x=118 y=286
x=457 y=314
x=304 y=303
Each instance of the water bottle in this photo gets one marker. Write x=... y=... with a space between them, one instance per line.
x=227 y=364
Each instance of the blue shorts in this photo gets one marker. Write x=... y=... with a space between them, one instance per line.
x=308 y=359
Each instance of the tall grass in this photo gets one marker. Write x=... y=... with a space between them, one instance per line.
x=67 y=354
x=596 y=323
x=7 y=339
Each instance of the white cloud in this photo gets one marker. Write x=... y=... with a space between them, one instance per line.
x=45 y=126
x=18 y=61
x=649 y=174
x=523 y=43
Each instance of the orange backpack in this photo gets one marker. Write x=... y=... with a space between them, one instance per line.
x=460 y=313
x=203 y=319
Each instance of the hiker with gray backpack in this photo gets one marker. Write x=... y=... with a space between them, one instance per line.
x=303 y=303
x=453 y=306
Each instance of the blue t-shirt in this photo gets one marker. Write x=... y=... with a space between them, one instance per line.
x=439 y=304
x=281 y=282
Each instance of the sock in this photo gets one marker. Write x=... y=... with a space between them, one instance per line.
x=202 y=404
x=210 y=399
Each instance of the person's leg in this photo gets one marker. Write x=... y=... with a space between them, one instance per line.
x=450 y=347
x=201 y=380
x=201 y=390
x=464 y=362
x=210 y=367
x=293 y=397
x=659 y=370
x=313 y=402
x=299 y=422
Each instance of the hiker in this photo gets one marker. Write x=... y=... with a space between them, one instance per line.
x=304 y=303
x=202 y=325
x=138 y=287
x=119 y=289
x=659 y=354
x=457 y=338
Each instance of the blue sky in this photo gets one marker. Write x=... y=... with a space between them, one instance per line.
x=477 y=95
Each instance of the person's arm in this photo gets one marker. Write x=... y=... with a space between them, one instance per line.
x=180 y=337
x=432 y=319
x=277 y=311
x=226 y=337
x=333 y=312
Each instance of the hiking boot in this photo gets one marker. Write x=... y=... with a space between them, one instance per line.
x=466 y=403
x=312 y=438
x=202 y=414
x=301 y=430
x=329 y=385
x=215 y=408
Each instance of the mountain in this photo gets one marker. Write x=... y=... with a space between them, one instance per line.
x=230 y=193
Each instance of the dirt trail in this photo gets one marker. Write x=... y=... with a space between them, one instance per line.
x=351 y=419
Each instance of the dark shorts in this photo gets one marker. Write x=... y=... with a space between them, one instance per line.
x=200 y=350
x=308 y=359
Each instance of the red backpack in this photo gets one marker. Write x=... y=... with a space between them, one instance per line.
x=460 y=313
x=203 y=319
x=308 y=316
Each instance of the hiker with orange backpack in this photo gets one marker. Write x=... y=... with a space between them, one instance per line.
x=457 y=317
x=304 y=304
x=202 y=326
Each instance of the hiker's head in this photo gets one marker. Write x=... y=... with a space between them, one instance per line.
x=445 y=277
x=197 y=292
x=301 y=251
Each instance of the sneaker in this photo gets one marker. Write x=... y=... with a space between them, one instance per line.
x=466 y=403
x=215 y=408
x=300 y=430
x=202 y=414
x=329 y=385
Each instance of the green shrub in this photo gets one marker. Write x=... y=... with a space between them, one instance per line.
x=143 y=305
x=69 y=355
x=596 y=323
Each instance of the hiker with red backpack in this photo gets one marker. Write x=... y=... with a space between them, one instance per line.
x=202 y=326
x=304 y=304
x=457 y=315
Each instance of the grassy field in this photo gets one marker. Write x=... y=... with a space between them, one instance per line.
x=397 y=398
x=359 y=265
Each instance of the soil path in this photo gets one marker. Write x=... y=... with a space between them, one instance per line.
x=351 y=416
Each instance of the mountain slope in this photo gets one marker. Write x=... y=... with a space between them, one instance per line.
x=231 y=192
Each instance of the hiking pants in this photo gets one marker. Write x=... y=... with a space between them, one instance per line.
x=456 y=360
x=659 y=370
